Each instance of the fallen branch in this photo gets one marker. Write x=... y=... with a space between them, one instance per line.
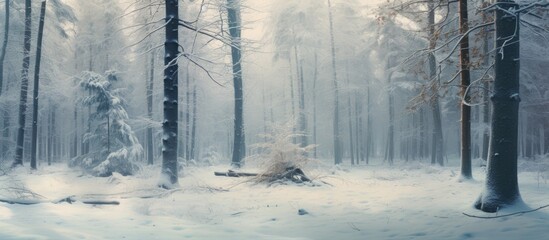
x=505 y=215
x=232 y=173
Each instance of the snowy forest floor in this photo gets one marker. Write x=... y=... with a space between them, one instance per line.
x=406 y=201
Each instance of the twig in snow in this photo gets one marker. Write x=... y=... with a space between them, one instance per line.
x=506 y=215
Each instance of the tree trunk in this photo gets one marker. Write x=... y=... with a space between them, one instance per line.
x=193 y=128
x=465 y=81
x=4 y=43
x=302 y=115
x=349 y=113
x=150 y=88
x=187 y=144
x=501 y=185
x=437 y=141
x=239 y=148
x=34 y=139
x=368 y=126
x=24 y=86
x=169 y=126
x=337 y=136
x=315 y=77
x=391 y=131
x=486 y=90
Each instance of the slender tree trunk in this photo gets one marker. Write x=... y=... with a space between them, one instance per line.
x=315 y=77
x=358 y=123
x=501 y=185
x=465 y=81
x=436 y=154
x=187 y=118
x=169 y=126
x=24 y=86
x=34 y=138
x=368 y=126
x=302 y=115
x=193 y=129
x=239 y=149
x=486 y=92
x=150 y=88
x=350 y=118
x=391 y=132
x=50 y=133
x=292 y=96
x=4 y=43
x=74 y=149
x=337 y=136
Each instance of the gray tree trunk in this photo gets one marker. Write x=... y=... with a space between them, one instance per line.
x=193 y=128
x=337 y=137
x=34 y=138
x=150 y=87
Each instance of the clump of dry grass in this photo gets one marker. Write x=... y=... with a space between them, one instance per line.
x=280 y=158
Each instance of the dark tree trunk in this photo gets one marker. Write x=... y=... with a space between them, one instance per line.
x=465 y=81
x=337 y=136
x=486 y=91
x=169 y=126
x=6 y=113
x=437 y=141
x=501 y=185
x=34 y=138
x=24 y=86
x=4 y=43
x=150 y=87
x=239 y=148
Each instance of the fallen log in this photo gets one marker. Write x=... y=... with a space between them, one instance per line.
x=232 y=173
x=293 y=174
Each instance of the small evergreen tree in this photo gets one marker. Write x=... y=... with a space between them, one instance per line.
x=114 y=146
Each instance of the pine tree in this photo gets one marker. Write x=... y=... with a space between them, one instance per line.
x=114 y=146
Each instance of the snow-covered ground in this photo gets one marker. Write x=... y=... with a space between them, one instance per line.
x=407 y=201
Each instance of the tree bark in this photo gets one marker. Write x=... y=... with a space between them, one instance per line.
x=501 y=186
x=150 y=88
x=24 y=86
x=437 y=141
x=4 y=43
x=239 y=148
x=315 y=77
x=465 y=82
x=193 y=128
x=169 y=126
x=34 y=138
x=337 y=136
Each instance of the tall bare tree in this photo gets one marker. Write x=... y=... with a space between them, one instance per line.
x=169 y=126
x=24 y=86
